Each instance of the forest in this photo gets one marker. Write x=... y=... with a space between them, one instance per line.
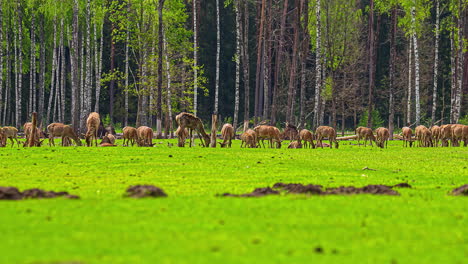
x=140 y=62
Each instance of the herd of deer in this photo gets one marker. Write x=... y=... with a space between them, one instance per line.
x=251 y=138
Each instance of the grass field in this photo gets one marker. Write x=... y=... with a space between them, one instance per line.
x=193 y=225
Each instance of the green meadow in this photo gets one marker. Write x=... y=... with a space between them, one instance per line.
x=425 y=224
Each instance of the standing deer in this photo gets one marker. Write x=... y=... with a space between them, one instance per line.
x=366 y=134
x=268 y=132
x=307 y=138
x=182 y=135
x=358 y=134
x=228 y=134
x=129 y=135
x=407 y=136
x=290 y=132
x=424 y=136
x=64 y=131
x=382 y=136
x=326 y=132
x=144 y=136
x=92 y=125
x=191 y=122
x=249 y=139
x=435 y=131
x=11 y=133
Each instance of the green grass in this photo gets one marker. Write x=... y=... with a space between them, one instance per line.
x=192 y=225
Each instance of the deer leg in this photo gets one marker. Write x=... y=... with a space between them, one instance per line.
x=331 y=142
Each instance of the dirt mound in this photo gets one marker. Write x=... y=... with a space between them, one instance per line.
x=256 y=193
x=402 y=185
x=369 y=189
x=12 y=193
x=141 y=191
x=462 y=190
x=299 y=188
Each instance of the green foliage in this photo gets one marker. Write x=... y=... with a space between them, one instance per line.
x=193 y=225
x=377 y=121
x=463 y=120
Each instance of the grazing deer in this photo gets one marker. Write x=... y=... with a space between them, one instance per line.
x=228 y=134
x=435 y=131
x=290 y=132
x=358 y=134
x=382 y=137
x=66 y=132
x=182 y=135
x=249 y=139
x=457 y=134
x=268 y=132
x=108 y=138
x=465 y=136
x=145 y=136
x=11 y=133
x=191 y=122
x=407 y=136
x=423 y=136
x=92 y=125
x=367 y=134
x=129 y=135
x=446 y=134
x=326 y=132
x=307 y=138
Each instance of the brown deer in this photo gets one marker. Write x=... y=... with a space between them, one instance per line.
x=295 y=144
x=367 y=134
x=191 y=122
x=423 y=136
x=249 y=139
x=307 y=138
x=108 y=138
x=271 y=133
x=358 y=134
x=326 y=132
x=407 y=136
x=145 y=136
x=457 y=134
x=446 y=134
x=435 y=131
x=290 y=132
x=66 y=132
x=129 y=135
x=182 y=135
x=465 y=136
x=92 y=125
x=382 y=137
x=10 y=133
x=228 y=134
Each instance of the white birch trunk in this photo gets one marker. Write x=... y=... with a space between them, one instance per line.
x=97 y=79
x=126 y=72
x=410 y=81
x=62 y=73
x=459 y=85
x=1 y=57
x=218 y=49
x=237 y=57
x=436 y=63
x=169 y=92
x=195 y=57
x=8 y=78
x=88 y=81
x=56 y=107
x=75 y=107
x=416 y=71
x=453 y=77
x=20 y=66
x=42 y=59
x=52 y=75
x=318 y=66
x=32 y=67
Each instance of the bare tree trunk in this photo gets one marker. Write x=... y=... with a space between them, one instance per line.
x=20 y=66
x=436 y=63
x=416 y=71
x=246 y=65
x=292 y=73
x=305 y=53
x=42 y=62
x=160 y=59
x=459 y=65
x=88 y=81
x=410 y=78
x=98 y=65
x=237 y=58
x=32 y=67
x=8 y=77
x=318 y=66
x=267 y=61
x=56 y=113
x=1 y=57
x=169 y=92
x=195 y=57
x=391 y=103
x=279 y=59
x=52 y=75
x=126 y=70
x=218 y=49
x=63 y=72
x=214 y=120
x=75 y=107
x=112 y=81
x=371 y=64
x=259 y=71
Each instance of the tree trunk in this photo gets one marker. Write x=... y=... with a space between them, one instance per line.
x=75 y=108
x=160 y=59
x=98 y=65
x=218 y=49
x=305 y=54
x=391 y=103
x=214 y=120
x=56 y=108
x=459 y=65
x=237 y=58
x=88 y=80
x=127 y=66
x=436 y=63
x=371 y=40
x=169 y=92
x=410 y=79
x=267 y=61
x=259 y=71
x=8 y=76
x=246 y=65
x=32 y=67
x=1 y=57
x=20 y=66
x=52 y=75
x=195 y=57
x=63 y=73
x=318 y=66
x=42 y=62
x=292 y=73
x=416 y=72
x=112 y=81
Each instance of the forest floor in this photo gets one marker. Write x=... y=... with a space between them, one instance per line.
x=424 y=224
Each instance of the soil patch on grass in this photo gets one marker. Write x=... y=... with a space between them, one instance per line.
x=462 y=190
x=256 y=193
x=141 y=191
x=12 y=193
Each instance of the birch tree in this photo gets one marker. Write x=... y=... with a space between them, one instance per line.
x=32 y=67
x=195 y=57
x=218 y=49
x=1 y=58
x=19 y=72
x=246 y=65
x=416 y=69
x=75 y=107
x=237 y=59
x=160 y=59
x=318 y=65
x=436 y=62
